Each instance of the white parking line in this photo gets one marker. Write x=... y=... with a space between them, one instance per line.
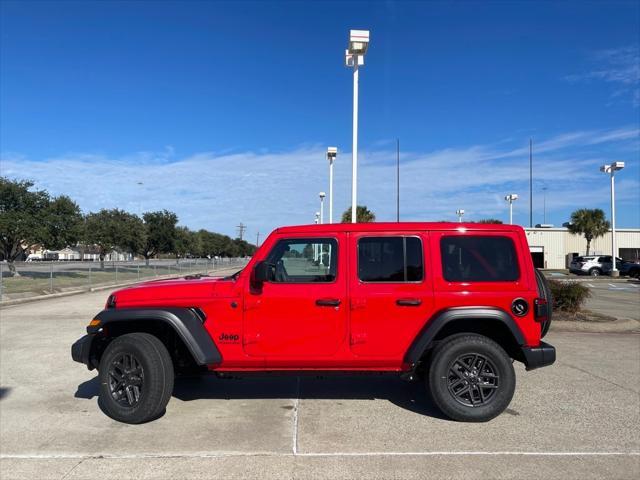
x=295 y=418
x=591 y=285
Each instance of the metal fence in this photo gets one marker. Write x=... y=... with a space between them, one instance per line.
x=43 y=278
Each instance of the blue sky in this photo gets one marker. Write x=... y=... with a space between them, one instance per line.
x=223 y=111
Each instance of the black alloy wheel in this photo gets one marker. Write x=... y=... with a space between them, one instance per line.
x=126 y=379
x=473 y=379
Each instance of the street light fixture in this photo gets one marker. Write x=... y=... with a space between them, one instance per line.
x=512 y=197
x=332 y=153
x=460 y=214
x=354 y=57
x=322 y=195
x=611 y=169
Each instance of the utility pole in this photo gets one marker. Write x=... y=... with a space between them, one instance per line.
x=241 y=228
x=257 y=239
x=530 y=183
x=397 y=179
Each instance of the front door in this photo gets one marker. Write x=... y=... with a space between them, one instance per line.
x=299 y=316
x=391 y=293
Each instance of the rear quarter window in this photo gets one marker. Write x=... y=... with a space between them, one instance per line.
x=479 y=259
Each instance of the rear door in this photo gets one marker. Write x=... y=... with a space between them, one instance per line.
x=391 y=293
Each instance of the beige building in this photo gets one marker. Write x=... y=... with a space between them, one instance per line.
x=554 y=247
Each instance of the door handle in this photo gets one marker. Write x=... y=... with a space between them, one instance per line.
x=327 y=302
x=408 y=302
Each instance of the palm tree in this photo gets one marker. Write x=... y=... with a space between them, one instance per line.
x=589 y=222
x=363 y=215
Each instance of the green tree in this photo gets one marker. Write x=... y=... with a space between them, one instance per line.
x=489 y=220
x=591 y=223
x=22 y=219
x=363 y=215
x=63 y=223
x=187 y=243
x=243 y=248
x=160 y=233
x=112 y=230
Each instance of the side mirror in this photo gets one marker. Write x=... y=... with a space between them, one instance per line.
x=261 y=273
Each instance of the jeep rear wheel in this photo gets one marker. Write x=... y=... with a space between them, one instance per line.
x=136 y=378
x=595 y=272
x=471 y=378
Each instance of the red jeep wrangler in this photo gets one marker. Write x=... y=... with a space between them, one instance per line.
x=448 y=303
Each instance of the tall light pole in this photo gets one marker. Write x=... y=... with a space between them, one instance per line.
x=460 y=214
x=512 y=197
x=610 y=169
x=354 y=57
x=315 y=245
x=322 y=195
x=332 y=153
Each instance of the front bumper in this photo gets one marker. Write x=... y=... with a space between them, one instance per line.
x=81 y=351
x=536 y=357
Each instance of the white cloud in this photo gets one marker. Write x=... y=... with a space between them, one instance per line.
x=265 y=190
x=618 y=66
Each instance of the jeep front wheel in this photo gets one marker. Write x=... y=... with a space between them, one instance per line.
x=136 y=378
x=471 y=378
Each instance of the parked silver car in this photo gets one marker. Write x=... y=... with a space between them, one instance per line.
x=589 y=265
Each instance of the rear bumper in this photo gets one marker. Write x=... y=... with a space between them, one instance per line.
x=536 y=357
x=81 y=351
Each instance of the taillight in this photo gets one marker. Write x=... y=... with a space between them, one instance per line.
x=541 y=309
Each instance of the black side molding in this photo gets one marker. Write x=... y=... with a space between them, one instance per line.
x=431 y=329
x=183 y=321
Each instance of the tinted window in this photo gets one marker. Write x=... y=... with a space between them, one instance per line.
x=304 y=260
x=479 y=259
x=390 y=259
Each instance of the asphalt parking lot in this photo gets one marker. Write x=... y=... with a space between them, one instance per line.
x=577 y=419
x=618 y=298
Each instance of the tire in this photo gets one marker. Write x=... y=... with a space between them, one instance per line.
x=544 y=291
x=634 y=273
x=487 y=396
x=595 y=272
x=136 y=378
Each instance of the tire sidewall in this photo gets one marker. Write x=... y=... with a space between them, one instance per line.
x=444 y=357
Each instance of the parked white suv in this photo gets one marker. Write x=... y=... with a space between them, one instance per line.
x=589 y=265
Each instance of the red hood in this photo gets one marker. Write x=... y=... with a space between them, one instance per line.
x=174 y=292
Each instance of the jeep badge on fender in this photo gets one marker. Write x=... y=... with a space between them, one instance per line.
x=326 y=297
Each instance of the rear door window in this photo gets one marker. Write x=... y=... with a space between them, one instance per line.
x=390 y=259
x=479 y=259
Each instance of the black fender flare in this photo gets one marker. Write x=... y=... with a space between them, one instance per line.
x=184 y=321
x=437 y=322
